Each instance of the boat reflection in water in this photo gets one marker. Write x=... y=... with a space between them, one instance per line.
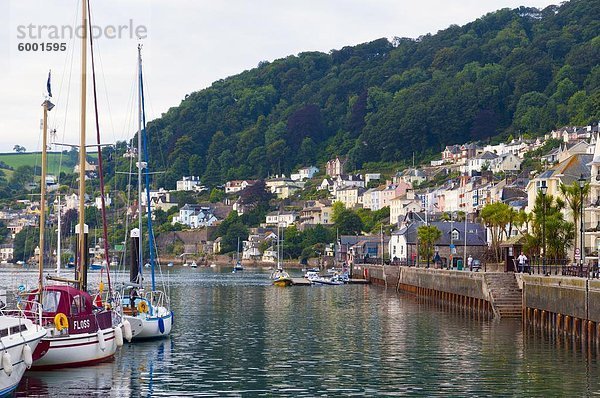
x=126 y=375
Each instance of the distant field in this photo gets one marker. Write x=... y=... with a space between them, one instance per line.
x=34 y=159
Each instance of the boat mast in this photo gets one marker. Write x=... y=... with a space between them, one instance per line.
x=140 y=165
x=100 y=165
x=58 y=238
x=47 y=105
x=82 y=152
x=147 y=173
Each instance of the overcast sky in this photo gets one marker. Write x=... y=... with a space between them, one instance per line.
x=189 y=44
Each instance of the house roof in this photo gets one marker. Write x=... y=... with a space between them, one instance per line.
x=476 y=233
x=487 y=156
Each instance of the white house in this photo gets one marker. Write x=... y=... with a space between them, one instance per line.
x=402 y=205
x=350 y=196
x=304 y=173
x=107 y=201
x=508 y=162
x=282 y=218
x=237 y=185
x=6 y=252
x=195 y=216
x=191 y=183
x=486 y=160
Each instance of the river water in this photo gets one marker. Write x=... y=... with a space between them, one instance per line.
x=236 y=335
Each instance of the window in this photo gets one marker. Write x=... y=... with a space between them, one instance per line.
x=50 y=301
x=77 y=305
x=455 y=235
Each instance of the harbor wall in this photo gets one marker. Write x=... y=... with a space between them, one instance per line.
x=562 y=305
x=557 y=305
x=466 y=290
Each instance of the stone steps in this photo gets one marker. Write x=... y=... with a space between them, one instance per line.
x=506 y=297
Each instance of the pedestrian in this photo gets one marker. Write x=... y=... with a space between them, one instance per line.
x=522 y=260
x=437 y=260
x=470 y=262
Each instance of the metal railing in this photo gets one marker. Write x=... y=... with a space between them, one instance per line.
x=563 y=266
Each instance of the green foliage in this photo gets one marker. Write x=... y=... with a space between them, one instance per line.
x=509 y=72
x=498 y=217
x=25 y=243
x=574 y=196
x=428 y=235
x=4 y=232
x=372 y=219
x=308 y=243
x=558 y=232
x=216 y=195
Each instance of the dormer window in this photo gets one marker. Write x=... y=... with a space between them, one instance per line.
x=455 y=234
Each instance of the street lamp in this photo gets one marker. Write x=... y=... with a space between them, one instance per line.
x=544 y=190
x=581 y=242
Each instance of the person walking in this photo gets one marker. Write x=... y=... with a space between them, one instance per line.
x=470 y=262
x=522 y=260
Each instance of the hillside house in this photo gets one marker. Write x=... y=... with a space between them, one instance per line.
x=190 y=183
x=335 y=167
x=195 y=216
x=304 y=173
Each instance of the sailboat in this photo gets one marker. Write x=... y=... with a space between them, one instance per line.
x=19 y=337
x=79 y=330
x=148 y=312
x=279 y=276
x=238 y=264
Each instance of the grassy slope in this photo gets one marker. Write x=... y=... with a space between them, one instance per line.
x=34 y=159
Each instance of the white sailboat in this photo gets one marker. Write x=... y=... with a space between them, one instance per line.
x=148 y=312
x=80 y=330
x=238 y=264
x=279 y=276
x=19 y=336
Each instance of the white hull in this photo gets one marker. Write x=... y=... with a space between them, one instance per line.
x=145 y=326
x=14 y=346
x=77 y=350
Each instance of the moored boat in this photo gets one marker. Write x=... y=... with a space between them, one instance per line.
x=19 y=337
x=79 y=330
x=148 y=312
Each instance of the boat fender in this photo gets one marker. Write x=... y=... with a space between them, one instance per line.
x=142 y=307
x=101 y=341
x=119 y=336
x=161 y=325
x=7 y=363
x=27 y=356
x=172 y=318
x=127 y=330
x=60 y=321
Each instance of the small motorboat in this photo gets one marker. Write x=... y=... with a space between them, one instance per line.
x=327 y=281
x=170 y=265
x=281 y=278
x=194 y=265
x=97 y=267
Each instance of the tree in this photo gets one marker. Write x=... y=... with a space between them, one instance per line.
x=4 y=232
x=19 y=149
x=25 y=243
x=216 y=195
x=348 y=223
x=573 y=194
x=428 y=235
x=496 y=216
x=559 y=233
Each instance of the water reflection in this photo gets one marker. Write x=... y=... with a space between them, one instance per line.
x=236 y=335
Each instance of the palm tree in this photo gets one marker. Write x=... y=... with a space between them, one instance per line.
x=573 y=194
